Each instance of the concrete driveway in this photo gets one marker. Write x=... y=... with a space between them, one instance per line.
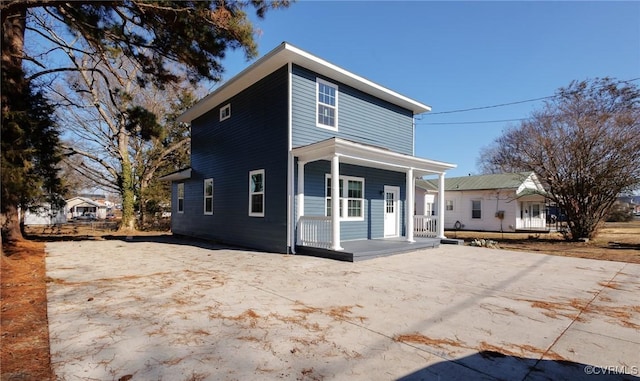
x=165 y=309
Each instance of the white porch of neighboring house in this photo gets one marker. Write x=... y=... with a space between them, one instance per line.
x=79 y=206
x=322 y=233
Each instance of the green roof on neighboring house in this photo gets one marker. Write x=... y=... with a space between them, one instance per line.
x=480 y=182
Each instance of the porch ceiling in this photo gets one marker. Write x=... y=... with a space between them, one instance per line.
x=370 y=156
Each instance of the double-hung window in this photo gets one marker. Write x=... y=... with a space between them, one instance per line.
x=326 y=104
x=449 y=205
x=476 y=209
x=180 y=197
x=256 y=193
x=351 y=197
x=208 y=196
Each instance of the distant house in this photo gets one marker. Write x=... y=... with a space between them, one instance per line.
x=44 y=215
x=497 y=202
x=82 y=206
x=295 y=153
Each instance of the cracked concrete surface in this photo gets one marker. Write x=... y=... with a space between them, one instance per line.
x=171 y=309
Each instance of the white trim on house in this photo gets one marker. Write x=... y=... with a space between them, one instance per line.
x=369 y=156
x=284 y=54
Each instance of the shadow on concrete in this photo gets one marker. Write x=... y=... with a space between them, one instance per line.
x=491 y=365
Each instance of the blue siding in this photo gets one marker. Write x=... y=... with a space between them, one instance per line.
x=374 y=181
x=254 y=137
x=361 y=117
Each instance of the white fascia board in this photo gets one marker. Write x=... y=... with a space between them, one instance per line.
x=286 y=53
x=377 y=157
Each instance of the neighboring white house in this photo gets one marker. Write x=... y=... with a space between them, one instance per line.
x=44 y=216
x=499 y=202
x=81 y=206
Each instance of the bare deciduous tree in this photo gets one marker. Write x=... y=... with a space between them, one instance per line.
x=584 y=145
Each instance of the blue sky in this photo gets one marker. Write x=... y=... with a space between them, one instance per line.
x=458 y=55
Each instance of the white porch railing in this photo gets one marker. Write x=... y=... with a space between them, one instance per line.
x=314 y=231
x=534 y=223
x=425 y=226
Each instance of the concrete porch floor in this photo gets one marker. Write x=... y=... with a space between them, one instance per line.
x=370 y=248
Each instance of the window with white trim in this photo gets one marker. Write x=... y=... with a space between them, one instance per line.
x=449 y=205
x=225 y=112
x=326 y=104
x=180 y=197
x=208 y=196
x=256 y=193
x=476 y=209
x=351 y=197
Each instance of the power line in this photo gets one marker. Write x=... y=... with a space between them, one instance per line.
x=492 y=106
x=474 y=122
x=504 y=104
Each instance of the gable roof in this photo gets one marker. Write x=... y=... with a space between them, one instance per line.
x=286 y=53
x=482 y=182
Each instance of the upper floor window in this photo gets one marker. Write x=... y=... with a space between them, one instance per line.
x=256 y=193
x=327 y=104
x=180 y=197
x=476 y=209
x=225 y=112
x=208 y=196
x=351 y=197
x=449 y=206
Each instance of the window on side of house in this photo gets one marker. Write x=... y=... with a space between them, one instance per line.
x=351 y=197
x=180 y=197
x=326 y=104
x=449 y=205
x=476 y=209
x=208 y=196
x=256 y=193
x=225 y=112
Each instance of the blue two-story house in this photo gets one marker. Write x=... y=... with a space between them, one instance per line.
x=268 y=145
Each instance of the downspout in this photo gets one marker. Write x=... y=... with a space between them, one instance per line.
x=291 y=236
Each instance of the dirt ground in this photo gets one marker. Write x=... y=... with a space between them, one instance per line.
x=24 y=336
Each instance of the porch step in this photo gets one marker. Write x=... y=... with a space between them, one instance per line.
x=451 y=241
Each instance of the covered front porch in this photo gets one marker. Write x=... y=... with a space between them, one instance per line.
x=353 y=251
x=387 y=219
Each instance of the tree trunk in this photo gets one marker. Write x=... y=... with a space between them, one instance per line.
x=126 y=187
x=128 y=212
x=11 y=231
x=13 y=24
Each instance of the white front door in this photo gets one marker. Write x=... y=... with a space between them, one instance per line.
x=391 y=212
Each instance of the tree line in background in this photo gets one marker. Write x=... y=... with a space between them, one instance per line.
x=110 y=77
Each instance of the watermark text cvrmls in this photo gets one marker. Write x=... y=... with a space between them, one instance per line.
x=612 y=369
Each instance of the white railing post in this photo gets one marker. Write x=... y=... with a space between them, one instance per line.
x=410 y=201
x=335 y=203
x=440 y=224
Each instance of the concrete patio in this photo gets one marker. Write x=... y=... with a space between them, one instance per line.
x=167 y=309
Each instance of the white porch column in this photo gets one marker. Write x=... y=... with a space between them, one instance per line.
x=300 y=195
x=335 y=203
x=410 y=207
x=441 y=206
